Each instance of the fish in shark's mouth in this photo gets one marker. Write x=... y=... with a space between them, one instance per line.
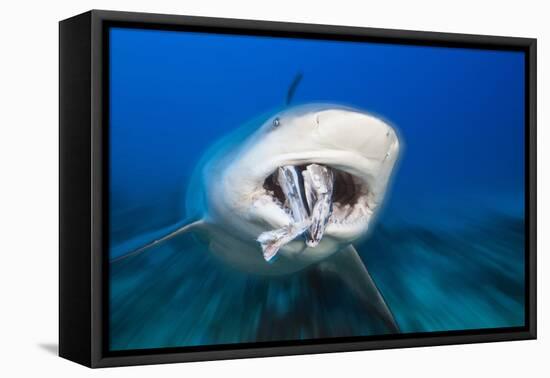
x=314 y=196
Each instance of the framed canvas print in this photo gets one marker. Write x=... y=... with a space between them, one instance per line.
x=234 y=188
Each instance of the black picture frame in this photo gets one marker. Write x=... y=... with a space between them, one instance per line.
x=83 y=199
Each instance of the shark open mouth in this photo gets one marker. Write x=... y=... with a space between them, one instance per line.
x=314 y=196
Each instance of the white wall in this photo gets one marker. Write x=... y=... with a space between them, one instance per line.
x=29 y=174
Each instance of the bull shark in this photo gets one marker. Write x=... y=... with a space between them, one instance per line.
x=294 y=189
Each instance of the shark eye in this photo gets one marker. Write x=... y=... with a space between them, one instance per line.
x=276 y=123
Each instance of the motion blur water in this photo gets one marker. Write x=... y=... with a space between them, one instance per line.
x=447 y=250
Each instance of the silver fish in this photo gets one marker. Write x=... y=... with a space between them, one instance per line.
x=289 y=181
x=318 y=185
x=272 y=241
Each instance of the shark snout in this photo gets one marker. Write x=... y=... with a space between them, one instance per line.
x=355 y=131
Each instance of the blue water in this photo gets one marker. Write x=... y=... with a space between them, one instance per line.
x=447 y=250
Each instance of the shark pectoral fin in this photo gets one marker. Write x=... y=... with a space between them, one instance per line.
x=350 y=268
x=195 y=226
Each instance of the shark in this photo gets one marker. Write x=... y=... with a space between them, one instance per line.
x=294 y=189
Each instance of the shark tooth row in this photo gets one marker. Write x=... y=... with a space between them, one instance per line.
x=318 y=184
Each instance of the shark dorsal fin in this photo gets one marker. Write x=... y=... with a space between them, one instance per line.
x=293 y=86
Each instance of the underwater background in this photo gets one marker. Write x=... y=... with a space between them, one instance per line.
x=446 y=249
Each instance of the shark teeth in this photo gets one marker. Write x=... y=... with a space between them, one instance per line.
x=317 y=182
